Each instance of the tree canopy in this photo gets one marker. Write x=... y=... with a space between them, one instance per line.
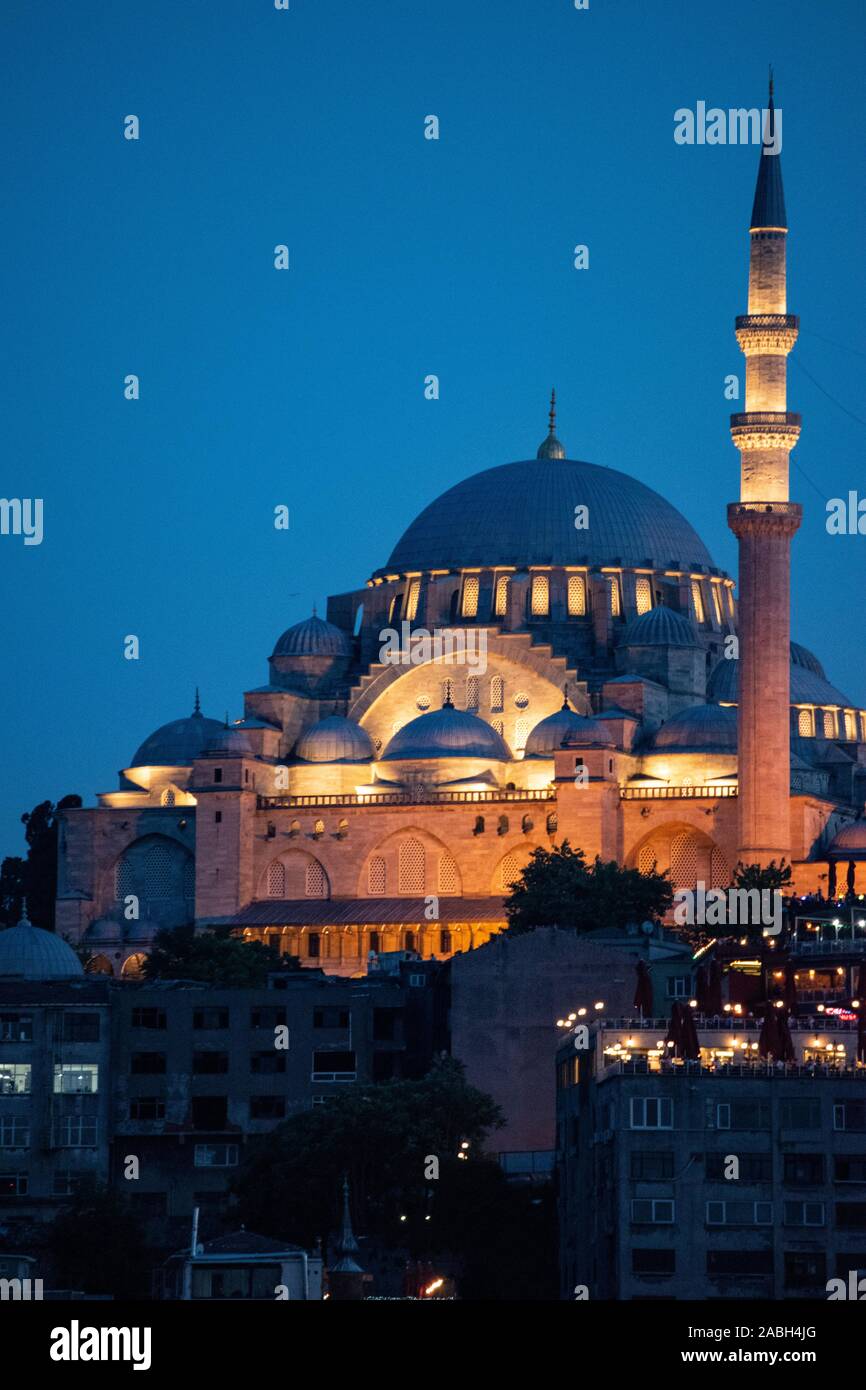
x=34 y=878
x=213 y=956
x=558 y=888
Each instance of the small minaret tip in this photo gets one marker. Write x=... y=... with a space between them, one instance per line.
x=565 y=704
x=551 y=447
x=197 y=705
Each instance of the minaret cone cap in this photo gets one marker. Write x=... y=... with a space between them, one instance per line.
x=768 y=209
x=551 y=447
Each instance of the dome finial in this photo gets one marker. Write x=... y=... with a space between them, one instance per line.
x=551 y=447
x=447 y=703
x=315 y=614
x=25 y=920
x=197 y=705
x=565 y=704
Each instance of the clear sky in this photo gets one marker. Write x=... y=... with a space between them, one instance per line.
x=408 y=257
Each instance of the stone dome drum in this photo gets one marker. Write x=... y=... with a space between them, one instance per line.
x=660 y=627
x=447 y=733
x=335 y=739
x=523 y=514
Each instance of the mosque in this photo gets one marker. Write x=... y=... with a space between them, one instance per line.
x=625 y=701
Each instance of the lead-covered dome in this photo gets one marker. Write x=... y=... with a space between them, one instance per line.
x=708 y=728
x=660 y=627
x=335 y=739
x=312 y=637
x=809 y=685
x=178 y=743
x=447 y=733
x=551 y=733
x=524 y=514
x=31 y=953
x=850 y=842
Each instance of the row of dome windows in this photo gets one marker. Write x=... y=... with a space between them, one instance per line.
x=832 y=723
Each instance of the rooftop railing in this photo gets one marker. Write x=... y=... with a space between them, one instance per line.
x=409 y=797
x=675 y=793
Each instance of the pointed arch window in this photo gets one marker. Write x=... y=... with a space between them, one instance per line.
x=698 y=603
x=411 y=866
x=539 y=596
x=717 y=603
x=376 y=876
x=473 y=687
x=577 y=596
x=643 y=594
x=314 y=880
x=276 y=880
x=805 y=727
x=497 y=695
x=470 y=596
x=615 y=596
x=412 y=600
x=500 y=607
x=447 y=874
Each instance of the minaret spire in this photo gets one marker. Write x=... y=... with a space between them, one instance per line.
x=551 y=448
x=764 y=521
x=197 y=705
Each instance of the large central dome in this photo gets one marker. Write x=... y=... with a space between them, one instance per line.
x=524 y=514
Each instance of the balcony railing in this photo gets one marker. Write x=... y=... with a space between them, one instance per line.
x=676 y=793
x=737 y=1071
x=726 y=1023
x=410 y=797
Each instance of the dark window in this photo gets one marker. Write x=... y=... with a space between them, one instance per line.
x=13 y=1184
x=653 y=1261
x=267 y=1107
x=801 y=1114
x=147 y=1108
x=739 y=1262
x=218 y=815
x=851 y=1216
x=331 y=1018
x=147 y=1064
x=210 y=1018
x=210 y=1063
x=849 y=1168
x=269 y=1017
x=652 y=1167
x=374 y=941
x=149 y=1204
x=410 y=941
x=750 y=1114
x=803 y=1169
x=342 y=1063
x=385 y=1024
x=804 y=1271
x=445 y=943
x=850 y=1114
x=209 y=1112
x=218 y=774
x=16 y=1027
x=81 y=1027
x=313 y=944
x=148 y=1018
x=753 y=1167
x=267 y=1063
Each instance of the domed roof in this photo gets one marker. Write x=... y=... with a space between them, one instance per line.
x=550 y=733
x=335 y=739
x=177 y=743
x=231 y=742
x=851 y=840
x=30 y=953
x=809 y=685
x=660 y=627
x=447 y=733
x=523 y=514
x=707 y=727
x=312 y=637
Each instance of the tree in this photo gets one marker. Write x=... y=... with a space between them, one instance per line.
x=214 y=956
x=12 y=890
x=763 y=876
x=36 y=877
x=95 y=1244
x=558 y=888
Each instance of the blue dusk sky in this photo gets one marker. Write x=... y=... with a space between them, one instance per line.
x=408 y=257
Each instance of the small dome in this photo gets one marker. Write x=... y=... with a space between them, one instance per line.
x=103 y=929
x=551 y=733
x=230 y=742
x=708 y=728
x=809 y=685
x=660 y=627
x=312 y=637
x=177 y=743
x=850 y=842
x=335 y=739
x=30 y=953
x=447 y=733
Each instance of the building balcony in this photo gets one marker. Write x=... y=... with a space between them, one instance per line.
x=414 y=796
x=666 y=793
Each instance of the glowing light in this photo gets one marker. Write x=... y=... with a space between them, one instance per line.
x=581 y=1013
x=600 y=1004
x=431 y=1288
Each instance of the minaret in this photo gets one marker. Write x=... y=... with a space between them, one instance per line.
x=764 y=520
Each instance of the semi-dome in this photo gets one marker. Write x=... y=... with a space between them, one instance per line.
x=177 y=743
x=850 y=842
x=31 y=953
x=551 y=733
x=809 y=685
x=660 y=627
x=335 y=739
x=312 y=637
x=708 y=728
x=523 y=514
x=447 y=733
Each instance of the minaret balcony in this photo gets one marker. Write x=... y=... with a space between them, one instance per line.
x=766 y=429
x=766 y=334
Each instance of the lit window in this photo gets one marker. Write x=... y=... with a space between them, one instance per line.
x=829 y=723
x=447 y=694
x=863 y=726
x=509 y=871
x=501 y=602
x=804 y=723
x=447 y=874
x=615 y=596
x=472 y=692
x=698 y=602
x=497 y=694
x=376 y=876
x=314 y=885
x=731 y=602
x=850 y=725
x=576 y=595
x=643 y=594
x=470 y=596
x=646 y=860
x=412 y=600
x=540 y=596
x=76 y=1079
x=717 y=603
x=521 y=734
x=411 y=867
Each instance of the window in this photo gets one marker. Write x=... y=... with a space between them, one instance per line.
x=500 y=606
x=210 y=1112
x=385 y=1023
x=650 y=1112
x=651 y=1167
x=445 y=946
x=850 y=1115
x=643 y=594
x=739 y=1213
x=147 y=1063
x=374 y=941
x=653 y=1261
x=267 y=1063
x=743 y=1114
x=314 y=880
x=521 y=734
x=67 y=1181
x=81 y=1027
x=210 y=1018
x=849 y=1215
x=739 y=1262
x=147 y=1108
x=447 y=874
x=75 y=1132
x=267 y=1017
x=804 y=1271
x=615 y=596
x=803 y=1169
x=330 y=1018
x=753 y=1167
x=800 y=1114
x=14 y=1133
x=473 y=692
x=411 y=871
x=313 y=945
x=804 y=1213
x=410 y=941
x=235 y=1281
x=376 y=876
x=13 y=1184
x=717 y=604
x=210 y=1063
x=267 y=1107
x=276 y=880
x=849 y=1168
x=850 y=726
x=470 y=596
x=829 y=723
x=15 y=1078
x=679 y=986
x=698 y=602
x=805 y=727
x=497 y=695
x=650 y=1211
x=76 y=1078
x=334 y=1066
x=148 y=1018
x=16 y=1027
x=218 y=774
x=412 y=600
x=576 y=596
x=539 y=596
x=218 y=816
x=216 y=1156
x=509 y=871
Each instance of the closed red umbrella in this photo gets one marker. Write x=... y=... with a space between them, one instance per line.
x=643 y=995
x=675 y=1030
x=690 y=1044
x=787 y=1052
x=769 y=1044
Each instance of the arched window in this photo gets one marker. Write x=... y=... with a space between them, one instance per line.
x=411 y=871
x=447 y=692
x=498 y=725
x=167 y=798
x=684 y=860
x=447 y=874
x=376 y=876
x=132 y=967
x=850 y=725
x=576 y=595
x=527 y=824
x=539 y=596
x=615 y=596
x=359 y=619
x=99 y=965
x=497 y=695
x=552 y=823
x=395 y=608
x=276 y=880
x=319 y=829
x=719 y=871
x=863 y=726
x=500 y=606
x=646 y=859
x=643 y=594
x=472 y=692
x=158 y=865
x=804 y=723
x=314 y=884
x=412 y=600
x=521 y=734
x=698 y=602
x=717 y=603
x=410 y=941
x=829 y=723
x=509 y=872
x=124 y=878
x=470 y=596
